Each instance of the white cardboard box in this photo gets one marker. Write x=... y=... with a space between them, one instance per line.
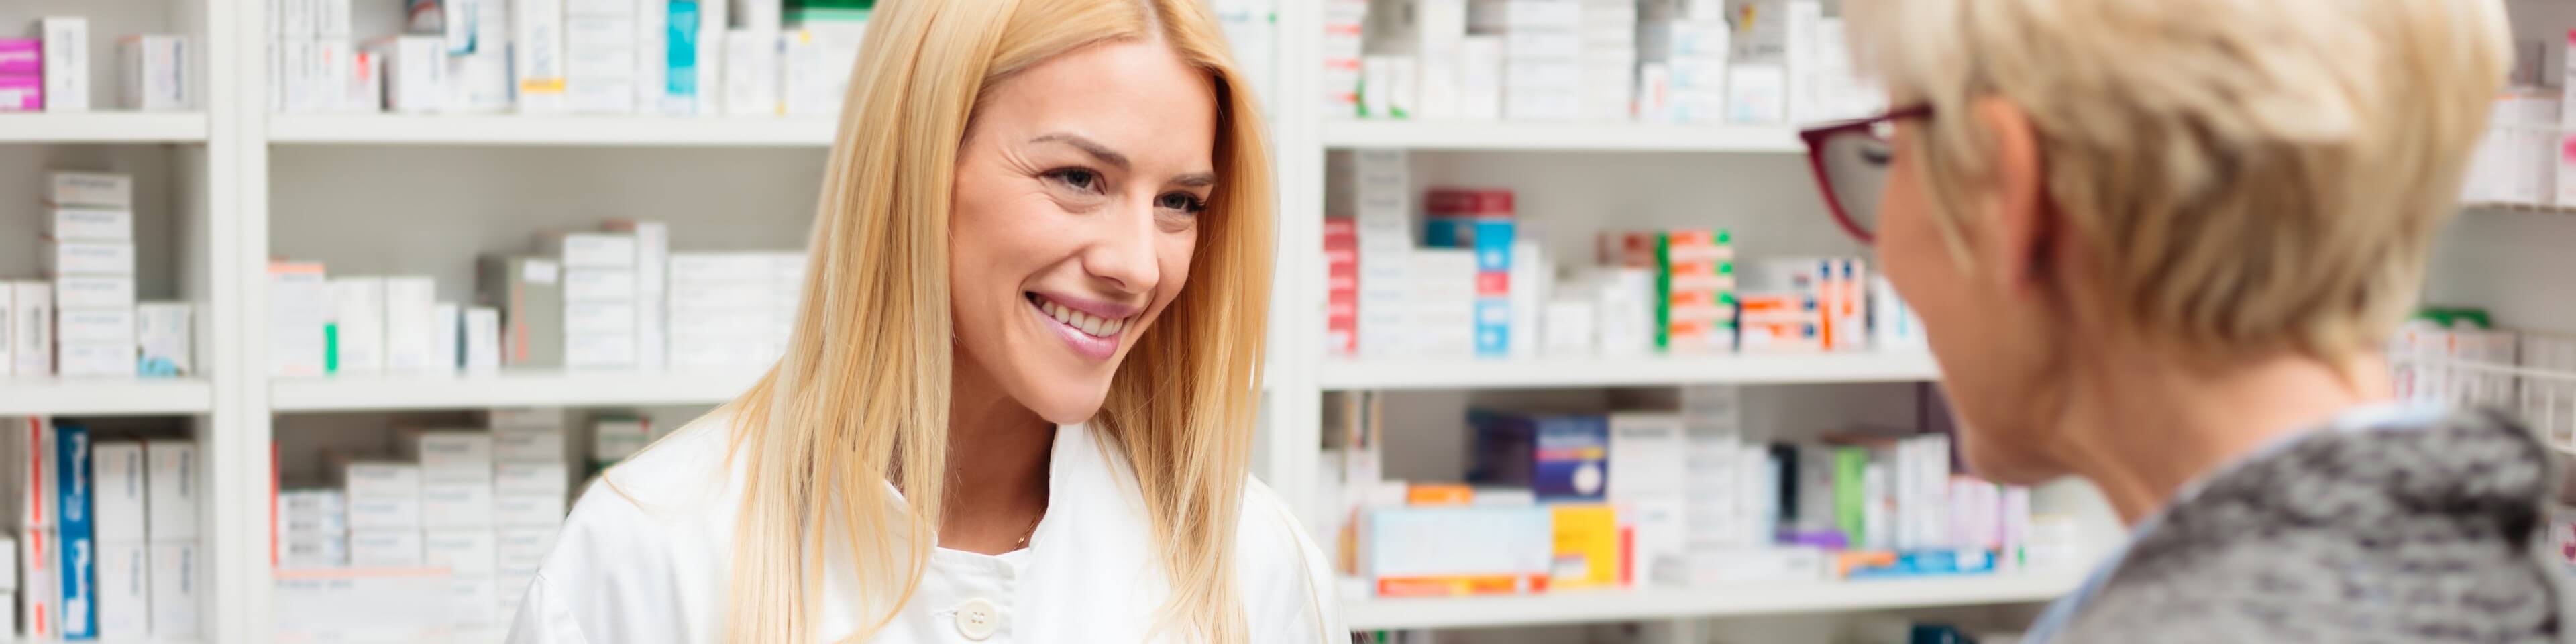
x=363 y=605
x=89 y=258
x=482 y=352
x=362 y=479
x=600 y=351
x=170 y=489
x=531 y=477
x=410 y=328
x=155 y=72
x=537 y=54
x=386 y=548
x=90 y=190
x=176 y=593
x=477 y=602
x=358 y=306
x=124 y=591
x=456 y=504
x=583 y=318
x=451 y=455
x=464 y=552
x=117 y=491
x=31 y=318
x=416 y=69
x=94 y=291
x=524 y=548
x=447 y=334
x=751 y=73
x=165 y=333
x=95 y=359
x=67 y=83
x=115 y=324
x=598 y=250
x=528 y=510
x=384 y=513
x=299 y=299
x=78 y=223
x=615 y=285
x=528 y=445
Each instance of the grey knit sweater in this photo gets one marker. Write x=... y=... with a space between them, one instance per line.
x=2432 y=529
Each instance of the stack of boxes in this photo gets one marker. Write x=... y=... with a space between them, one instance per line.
x=1683 y=47
x=600 y=57
x=1373 y=189
x=1648 y=484
x=600 y=309
x=652 y=289
x=1479 y=220
x=457 y=501
x=66 y=63
x=1341 y=49
x=1757 y=80
x=22 y=74
x=384 y=513
x=1695 y=291
x=90 y=244
x=177 y=563
x=614 y=438
x=30 y=442
x=1542 y=55
x=1608 y=41
x=105 y=536
x=732 y=309
x=530 y=486
x=312 y=528
x=1341 y=286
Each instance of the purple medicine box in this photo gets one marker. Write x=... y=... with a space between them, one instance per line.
x=22 y=56
x=22 y=93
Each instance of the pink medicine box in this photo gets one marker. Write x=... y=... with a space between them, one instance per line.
x=22 y=57
x=22 y=93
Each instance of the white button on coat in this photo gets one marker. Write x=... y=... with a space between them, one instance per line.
x=976 y=619
x=646 y=558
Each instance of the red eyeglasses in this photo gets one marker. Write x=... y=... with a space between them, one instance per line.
x=1850 y=160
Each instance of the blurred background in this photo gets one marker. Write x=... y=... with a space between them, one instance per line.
x=317 y=311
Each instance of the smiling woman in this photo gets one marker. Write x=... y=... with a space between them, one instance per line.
x=1019 y=397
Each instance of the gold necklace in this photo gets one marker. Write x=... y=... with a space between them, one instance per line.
x=1031 y=532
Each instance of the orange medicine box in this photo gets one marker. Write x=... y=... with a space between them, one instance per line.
x=1588 y=547
x=1439 y=494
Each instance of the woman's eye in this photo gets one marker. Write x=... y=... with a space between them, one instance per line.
x=1181 y=201
x=1076 y=178
x=1877 y=155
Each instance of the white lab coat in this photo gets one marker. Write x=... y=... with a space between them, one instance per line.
x=653 y=565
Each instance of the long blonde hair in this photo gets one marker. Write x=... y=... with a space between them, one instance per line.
x=861 y=397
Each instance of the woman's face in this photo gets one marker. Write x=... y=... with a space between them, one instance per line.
x=1076 y=208
x=1993 y=336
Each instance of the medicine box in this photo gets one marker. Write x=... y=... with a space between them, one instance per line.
x=524 y=549
x=95 y=359
x=522 y=445
x=117 y=474
x=456 y=504
x=362 y=605
x=1645 y=455
x=66 y=67
x=416 y=69
x=124 y=591
x=531 y=297
x=531 y=477
x=170 y=489
x=22 y=57
x=1588 y=547
x=78 y=548
x=1456 y=550
x=93 y=291
x=299 y=309
x=155 y=72
x=176 y=589
x=450 y=455
x=528 y=510
x=357 y=328
x=385 y=548
x=162 y=330
x=465 y=552
x=410 y=329
x=64 y=257
x=1558 y=457
x=95 y=325
x=475 y=602
x=598 y=250
x=31 y=330
x=77 y=223
x=380 y=480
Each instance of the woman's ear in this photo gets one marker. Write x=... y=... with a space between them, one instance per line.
x=2022 y=232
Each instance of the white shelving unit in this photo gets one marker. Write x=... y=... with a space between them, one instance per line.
x=1559 y=137
x=509 y=389
x=1676 y=603
x=254 y=184
x=72 y=397
x=103 y=127
x=566 y=131
x=1643 y=371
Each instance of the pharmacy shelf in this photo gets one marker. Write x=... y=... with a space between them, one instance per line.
x=507 y=389
x=2517 y=207
x=1562 y=137
x=77 y=397
x=1568 y=373
x=103 y=127
x=512 y=129
x=1570 y=607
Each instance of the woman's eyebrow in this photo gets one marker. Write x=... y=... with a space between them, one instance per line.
x=1195 y=180
x=1094 y=148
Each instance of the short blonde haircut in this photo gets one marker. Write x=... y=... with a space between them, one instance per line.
x=2250 y=175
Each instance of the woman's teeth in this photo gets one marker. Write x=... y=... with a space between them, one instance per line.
x=1090 y=324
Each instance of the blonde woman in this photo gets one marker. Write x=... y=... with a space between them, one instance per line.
x=1020 y=394
x=2158 y=244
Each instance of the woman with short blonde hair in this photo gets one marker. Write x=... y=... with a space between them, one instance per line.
x=2159 y=244
x=1019 y=396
